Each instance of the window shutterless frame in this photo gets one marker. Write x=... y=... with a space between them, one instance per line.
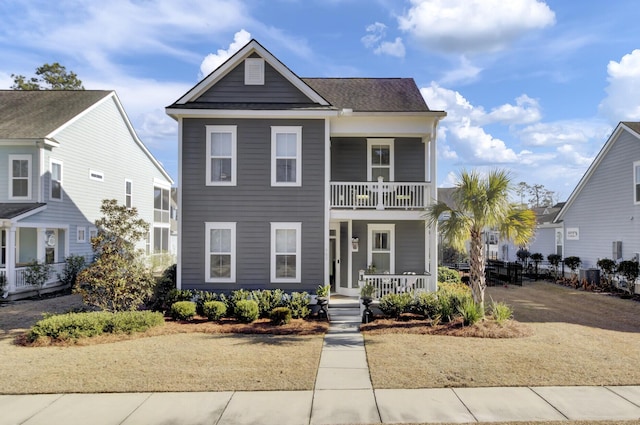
x=221 y=155
x=286 y=250
x=220 y=252
x=286 y=156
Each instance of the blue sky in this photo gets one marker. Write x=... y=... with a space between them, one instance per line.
x=532 y=86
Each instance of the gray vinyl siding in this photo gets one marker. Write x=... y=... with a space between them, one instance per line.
x=231 y=89
x=100 y=141
x=253 y=204
x=409 y=246
x=544 y=241
x=349 y=159
x=604 y=210
x=5 y=181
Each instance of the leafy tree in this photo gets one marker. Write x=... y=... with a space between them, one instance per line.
x=481 y=203
x=118 y=279
x=48 y=77
x=573 y=263
x=539 y=196
x=554 y=260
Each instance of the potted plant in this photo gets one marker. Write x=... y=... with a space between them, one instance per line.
x=367 y=291
x=322 y=294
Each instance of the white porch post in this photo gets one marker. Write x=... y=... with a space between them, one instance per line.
x=11 y=259
x=350 y=245
x=41 y=233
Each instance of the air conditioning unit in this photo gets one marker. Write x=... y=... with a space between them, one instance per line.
x=617 y=250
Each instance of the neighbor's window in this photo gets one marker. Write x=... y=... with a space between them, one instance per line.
x=380 y=159
x=286 y=156
x=55 y=189
x=20 y=177
x=81 y=234
x=285 y=252
x=220 y=252
x=636 y=181
x=221 y=155
x=128 y=193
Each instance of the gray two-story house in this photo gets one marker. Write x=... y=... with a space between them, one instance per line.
x=61 y=154
x=289 y=182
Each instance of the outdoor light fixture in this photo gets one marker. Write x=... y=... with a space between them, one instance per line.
x=355 y=244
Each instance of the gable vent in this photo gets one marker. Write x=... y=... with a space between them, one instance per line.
x=254 y=71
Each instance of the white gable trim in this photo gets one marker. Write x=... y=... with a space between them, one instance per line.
x=251 y=47
x=125 y=118
x=592 y=168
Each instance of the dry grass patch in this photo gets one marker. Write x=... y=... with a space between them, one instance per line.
x=194 y=356
x=577 y=338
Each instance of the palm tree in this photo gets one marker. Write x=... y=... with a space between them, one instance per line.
x=480 y=203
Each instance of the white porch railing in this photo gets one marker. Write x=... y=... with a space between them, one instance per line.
x=379 y=195
x=397 y=283
x=20 y=281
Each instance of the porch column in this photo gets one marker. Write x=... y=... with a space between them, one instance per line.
x=41 y=234
x=11 y=259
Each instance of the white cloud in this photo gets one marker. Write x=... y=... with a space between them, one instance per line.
x=214 y=60
x=572 y=156
x=472 y=26
x=376 y=33
x=465 y=73
x=623 y=92
x=525 y=111
x=392 y=49
x=564 y=132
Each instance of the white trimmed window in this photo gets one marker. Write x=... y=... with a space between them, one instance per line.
x=55 y=186
x=20 y=177
x=381 y=247
x=286 y=156
x=286 y=243
x=254 y=72
x=380 y=159
x=93 y=232
x=221 y=155
x=128 y=193
x=81 y=234
x=636 y=182
x=220 y=252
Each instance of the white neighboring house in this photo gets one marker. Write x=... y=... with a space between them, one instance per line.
x=61 y=154
x=601 y=218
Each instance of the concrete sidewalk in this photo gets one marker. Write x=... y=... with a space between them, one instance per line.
x=343 y=394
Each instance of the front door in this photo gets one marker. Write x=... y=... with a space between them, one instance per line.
x=334 y=256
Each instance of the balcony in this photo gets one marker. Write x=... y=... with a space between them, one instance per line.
x=380 y=195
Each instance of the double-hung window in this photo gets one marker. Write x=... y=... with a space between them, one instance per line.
x=381 y=247
x=380 y=159
x=286 y=156
x=128 y=193
x=55 y=189
x=221 y=155
x=20 y=177
x=81 y=234
x=286 y=241
x=220 y=252
x=161 y=223
x=636 y=182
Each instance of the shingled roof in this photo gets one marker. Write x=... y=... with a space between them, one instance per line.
x=12 y=210
x=635 y=126
x=370 y=94
x=34 y=114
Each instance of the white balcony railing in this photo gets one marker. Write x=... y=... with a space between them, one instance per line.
x=379 y=195
x=397 y=283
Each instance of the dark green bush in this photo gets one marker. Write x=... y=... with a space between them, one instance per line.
x=393 y=305
x=267 y=300
x=164 y=285
x=71 y=326
x=176 y=295
x=298 y=303
x=280 y=316
x=426 y=304
x=201 y=297
x=246 y=311
x=234 y=298
x=214 y=310
x=183 y=310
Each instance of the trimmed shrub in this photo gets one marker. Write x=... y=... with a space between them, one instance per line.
x=298 y=303
x=72 y=326
x=470 y=311
x=235 y=297
x=201 y=297
x=267 y=300
x=393 y=305
x=246 y=311
x=165 y=284
x=280 y=316
x=445 y=274
x=183 y=310
x=214 y=310
x=426 y=304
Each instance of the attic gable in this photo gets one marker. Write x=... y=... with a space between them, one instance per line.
x=255 y=71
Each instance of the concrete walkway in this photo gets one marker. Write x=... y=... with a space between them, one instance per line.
x=343 y=394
